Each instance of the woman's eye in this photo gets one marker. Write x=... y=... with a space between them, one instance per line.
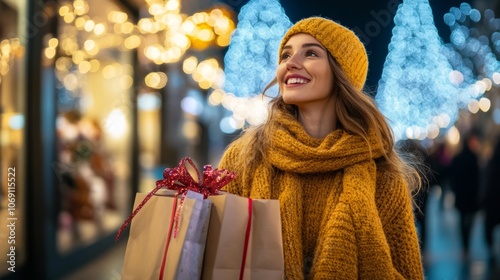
x=285 y=56
x=311 y=53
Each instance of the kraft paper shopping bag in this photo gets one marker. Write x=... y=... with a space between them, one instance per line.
x=149 y=232
x=244 y=239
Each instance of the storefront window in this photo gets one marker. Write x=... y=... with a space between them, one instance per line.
x=94 y=77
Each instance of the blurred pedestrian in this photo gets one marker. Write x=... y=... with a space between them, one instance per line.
x=464 y=182
x=491 y=201
x=440 y=162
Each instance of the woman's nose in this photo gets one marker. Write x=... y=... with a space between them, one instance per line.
x=293 y=63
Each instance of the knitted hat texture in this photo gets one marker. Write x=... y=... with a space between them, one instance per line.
x=341 y=42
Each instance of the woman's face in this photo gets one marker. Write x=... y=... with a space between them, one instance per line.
x=304 y=74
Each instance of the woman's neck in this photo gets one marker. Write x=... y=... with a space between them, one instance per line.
x=318 y=121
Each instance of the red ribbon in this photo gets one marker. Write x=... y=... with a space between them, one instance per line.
x=179 y=179
x=247 y=238
x=167 y=242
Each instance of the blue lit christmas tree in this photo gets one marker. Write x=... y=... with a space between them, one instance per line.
x=415 y=93
x=251 y=60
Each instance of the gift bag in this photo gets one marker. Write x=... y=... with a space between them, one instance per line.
x=162 y=245
x=167 y=235
x=244 y=239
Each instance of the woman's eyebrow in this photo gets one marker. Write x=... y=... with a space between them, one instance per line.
x=312 y=45
x=306 y=45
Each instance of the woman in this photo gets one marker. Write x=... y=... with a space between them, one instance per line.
x=328 y=155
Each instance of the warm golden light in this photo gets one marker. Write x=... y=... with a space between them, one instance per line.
x=84 y=67
x=5 y=48
x=94 y=65
x=223 y=41
x=473 y=106
x=216 y=97
x=89 y=45
x=155 y=9
x=153 y=52
x=173 y=5
x=89 y=25
x=204 y=84
x=62 y=63
x=181 y=41
x=50 y=53
x=69 y=17
x=99 y=29
x=127 y=27
x=200 y=18
x=488 y=83
x=190 y=130
x=453 y=136
x=63 y=10
x=432 y=131
x=80 y=23
x=145 y=25
x=156 y=80
x=94 y=51
x=484 y=104
x=172 y=20
x=4 y=67
x=188 y=26
x=70 y=81
x=206 y=35
x=496 y=78
x=109 y=71
x=175 y=53
x=53 y=42
x=189 y=64
x=132 y=42
x=81 y=7
x=117 y=17
x=221 y=26
x=78 y=57
x=126 y=82
x=215 y=14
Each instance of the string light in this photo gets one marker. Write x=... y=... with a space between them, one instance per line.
x=164 y=37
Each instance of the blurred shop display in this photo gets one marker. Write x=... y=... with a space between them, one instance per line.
x=93 y=79
x=87 y=177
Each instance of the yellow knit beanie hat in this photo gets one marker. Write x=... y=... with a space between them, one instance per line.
x=340 y=41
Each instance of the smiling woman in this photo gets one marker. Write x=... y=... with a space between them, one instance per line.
x=327 y=154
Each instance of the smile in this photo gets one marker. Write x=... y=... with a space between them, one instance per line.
x=296 y=81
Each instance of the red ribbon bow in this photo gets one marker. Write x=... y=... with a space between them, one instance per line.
x=179 y=178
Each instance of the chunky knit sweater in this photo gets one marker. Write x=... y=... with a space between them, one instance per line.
x=342 y=217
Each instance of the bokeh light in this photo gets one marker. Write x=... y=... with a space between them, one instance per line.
x=252 y=57
x=418 y=86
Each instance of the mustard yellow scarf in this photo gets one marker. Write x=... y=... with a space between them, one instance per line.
x=350 y=242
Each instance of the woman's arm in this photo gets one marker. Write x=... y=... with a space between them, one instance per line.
x=394 y=204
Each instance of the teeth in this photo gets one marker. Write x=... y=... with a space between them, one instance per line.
x=296 y=81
